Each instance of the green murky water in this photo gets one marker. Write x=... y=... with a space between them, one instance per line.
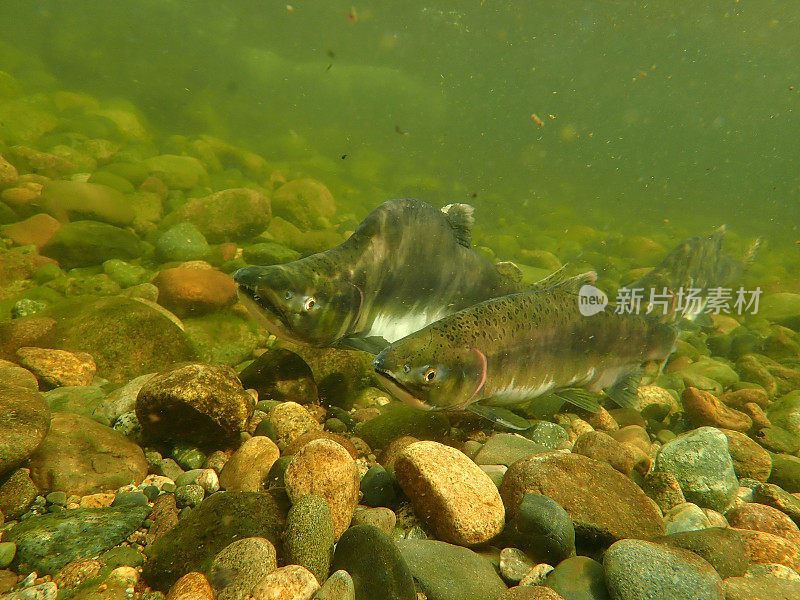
x=650 y=113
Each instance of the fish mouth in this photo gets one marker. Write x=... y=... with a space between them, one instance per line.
x=250 y=293
x=266 y=313
x=396 y=389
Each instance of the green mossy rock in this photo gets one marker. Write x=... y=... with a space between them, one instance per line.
x=179 y=172
x=309 y=535
x=72 y=200
x=398 y=420
x=46 y=543
x=223 y=337
x=126 y=337
x=86 y=243
x=182 y=242
x=219 y=520
x=230 y=215
x=269 y=253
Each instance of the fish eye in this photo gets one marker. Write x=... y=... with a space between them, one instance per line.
x=309 y=303
x=406 y=368
x=430 y=374
x=287 y=296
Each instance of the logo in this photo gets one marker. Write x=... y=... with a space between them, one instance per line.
x=591 y=300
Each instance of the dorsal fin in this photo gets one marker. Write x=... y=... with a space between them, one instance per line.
x=510 y=270
x=556 y=277
x=575 y=283
x=460 y=218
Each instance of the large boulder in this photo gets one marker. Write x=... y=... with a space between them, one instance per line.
x=24 y=421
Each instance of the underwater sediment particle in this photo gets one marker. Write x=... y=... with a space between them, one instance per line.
x=199 y=403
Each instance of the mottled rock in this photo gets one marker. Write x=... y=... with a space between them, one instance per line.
x=24 y=421
x=398 y=420
x=664 y=489
x=195 y=402
x=339 y=586
x=774 y=496
x=603 y=504
x=451 y=493
x=226 y=216
x=764 y=587
x=514 y=565
x=601 y=446
x=769 y=548
x=294 y=446
x=14 y=375
x=640 y=570
x=309 y=535
x=188 y=291
x=47 y=543
x=375 y=564
x=433 y=564
x=303 y=202
x=56 y=368
x=182 y=242
x=291 y=420
x=192 y=586
x=249 y=466
x=325 y=468
x=760 y=517
x=704 y=409
x=530 y=592
x=700 y=461
x=87 y=243
x=291 y=582
x=80 y=456
x=17 y=492
x=240 y=566
x=219 y=520
x=724 y=548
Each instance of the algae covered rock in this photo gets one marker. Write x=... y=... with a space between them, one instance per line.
x=304 y=202
x=399 y=420
x=24 y=421
x=219 y=520
x=178 y=172
x=198 y=403
x=126 y=337
x=78 y=200
x=309 y=535
x=226 y=216
x=86 y=243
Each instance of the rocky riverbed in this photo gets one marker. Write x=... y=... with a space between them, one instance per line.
x=154 y=441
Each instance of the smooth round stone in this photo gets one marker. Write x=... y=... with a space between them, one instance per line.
x=530 y=592
x=24 y=423
x=760 y=517
x=750 y=460
x=382 y=518
x=786 y=472
x=640 y=570
x=451 y=493
x=537 y=575
x=189 y=495
x=208 y=480
x=182 y=242
x=701 y=463
x=781 y=571
x=770 y=548
x=193 y=586
x=122 y=556
x=240 y=566
x=762 y=587
x=290 y=582
x=578 y=578
x=514 y=565
x=724 y=548
x=338 y=586
x=187 y=477
x=545 y=528
x=291 y=420
x=379 y=488
x=248 y=468
x=309 y=535
x=685 y=517
x=550 y=435
x=55 y=368
x=7 y=552
x=375 y=564
x=166 y=467
x=601 y=446
x=134 y=498
x=59 y=498
x=12 y=374
x=325 y=468
x=188 y=456
x=334 y=425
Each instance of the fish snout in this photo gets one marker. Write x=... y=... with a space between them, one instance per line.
x=246 y=276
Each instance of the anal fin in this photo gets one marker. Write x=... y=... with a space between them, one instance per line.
x=500 y=416
x=580 y=398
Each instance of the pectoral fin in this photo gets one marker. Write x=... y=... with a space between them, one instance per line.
x=580 y=398
x=373 y=344
x=500 y=416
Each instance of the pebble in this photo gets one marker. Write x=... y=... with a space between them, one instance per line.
x=724 y=548
x=291 y=420
x=760 y=517
x=189 y=495
x=77 y=573
x=451 y=493
x=55 y=368
x=248 y=467
x=167 y=468
x=25 y=421
x=537 y=574
x=685 y=517
x=764 y=587
x=700 y=461
x=750 y=460
x=309 y=535
x=80 y=456
x=379 y=488
x=601 y=446
x=545 y=528
x=194 y=402
x=188 y=291
x=291 y=582
x=188 y=456
x=601 y=501
x=192 y=586
x=240 y=566
x=434 y=564
x=36 y=230
x=339 y=586
x=325 y=468
x=640 y=570
x=514 y=565
x=578 y=578
x=375 y=563
x=133 y=498
x=382 y=518
x=769 y=548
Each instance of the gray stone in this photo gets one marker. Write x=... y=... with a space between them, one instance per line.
x=685 y=517
x=338 y=586
x=640 y=570
x=84 y=400
x=545 y=528
x=701 y=463
x=17 y=493
x=47 y=543
x=578 y=578
x=506 y=449
x=309 y=535
x=434 y=565
x=182 y=242
x=724 y=548
x=550 y=435
x=240 y=566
